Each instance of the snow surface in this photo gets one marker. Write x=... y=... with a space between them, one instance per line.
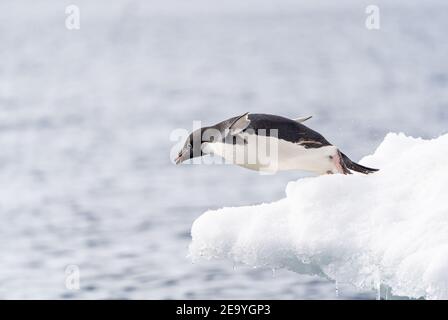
x=386 y=229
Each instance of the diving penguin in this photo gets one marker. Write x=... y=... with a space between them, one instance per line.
x=269 y=143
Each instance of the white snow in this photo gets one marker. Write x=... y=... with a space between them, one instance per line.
x=389 y=228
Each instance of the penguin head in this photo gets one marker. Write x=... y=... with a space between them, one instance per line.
x=197 y=140
x=192 y=147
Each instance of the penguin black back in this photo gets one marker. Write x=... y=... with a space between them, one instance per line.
x=288 y=129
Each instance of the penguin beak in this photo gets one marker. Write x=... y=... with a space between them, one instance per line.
x=181 y=157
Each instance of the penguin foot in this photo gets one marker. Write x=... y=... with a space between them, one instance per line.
x=339 y=163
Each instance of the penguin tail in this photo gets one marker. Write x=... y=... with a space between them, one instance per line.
x=356 y=167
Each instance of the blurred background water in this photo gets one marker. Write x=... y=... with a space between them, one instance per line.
x=85 y=119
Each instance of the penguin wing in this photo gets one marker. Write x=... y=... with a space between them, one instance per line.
x=240 y=124
x=316 y=141
x=311 y=144
x=302 y=119
x=310 y=138
x=233 y=126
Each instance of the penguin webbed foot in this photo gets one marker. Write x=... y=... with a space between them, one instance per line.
x=339 y=163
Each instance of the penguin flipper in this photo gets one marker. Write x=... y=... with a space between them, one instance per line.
x=240 y=124
x=311 y=144
x=302 y=119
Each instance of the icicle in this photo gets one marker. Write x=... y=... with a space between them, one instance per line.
x=378 y=297
x=336 y=287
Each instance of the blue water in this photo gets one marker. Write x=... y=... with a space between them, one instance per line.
x=85 y=119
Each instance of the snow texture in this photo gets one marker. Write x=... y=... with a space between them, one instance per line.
x=388 y=229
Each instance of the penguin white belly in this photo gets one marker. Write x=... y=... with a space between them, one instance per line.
x=293 y=156
x=270 y=154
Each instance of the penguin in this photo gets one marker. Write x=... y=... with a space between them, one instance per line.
x=269 y=143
